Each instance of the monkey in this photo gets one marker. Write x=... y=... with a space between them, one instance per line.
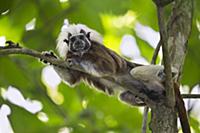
x=105 y=70
x=97 y=65
x=83 y=48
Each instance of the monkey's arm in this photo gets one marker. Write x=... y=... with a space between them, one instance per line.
x=182 y=113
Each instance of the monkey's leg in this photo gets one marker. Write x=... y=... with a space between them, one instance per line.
x=131 y=99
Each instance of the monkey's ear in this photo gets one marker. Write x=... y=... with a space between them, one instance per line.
x=88 y=35
x=69 y=35
x=66 y=41
x=82 y=31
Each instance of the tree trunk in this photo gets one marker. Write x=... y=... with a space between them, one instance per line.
x=163 y=117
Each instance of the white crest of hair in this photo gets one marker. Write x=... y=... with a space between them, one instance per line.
x=74 y=29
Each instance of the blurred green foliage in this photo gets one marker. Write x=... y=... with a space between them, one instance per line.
x=83 y=109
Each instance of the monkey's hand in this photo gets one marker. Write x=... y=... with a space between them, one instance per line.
x=69 y=76
x=48 y=54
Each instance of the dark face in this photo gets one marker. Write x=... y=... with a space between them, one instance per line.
x=79 y=43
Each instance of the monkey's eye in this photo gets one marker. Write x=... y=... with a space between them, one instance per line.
x=72 y=39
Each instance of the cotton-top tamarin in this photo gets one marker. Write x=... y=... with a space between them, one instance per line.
x=104 y=69
x=89 y=60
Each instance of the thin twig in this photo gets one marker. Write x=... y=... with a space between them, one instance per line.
x=50 y=59
x=182 y=113
x=33 y=53
x=155 y=54
x=145 y=119
x=190 y=95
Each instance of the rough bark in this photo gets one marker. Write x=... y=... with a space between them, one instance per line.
x=164 y=117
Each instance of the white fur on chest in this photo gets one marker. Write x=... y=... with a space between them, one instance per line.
x=90 y=68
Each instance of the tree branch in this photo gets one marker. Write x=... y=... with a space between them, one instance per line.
x=145 y=119
x=139 y=87
x=166 y=58
x=18 y=50
x=190 y=96
x=155 y=54
x=178 y=30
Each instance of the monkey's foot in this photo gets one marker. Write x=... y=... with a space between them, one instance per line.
x=131 y=99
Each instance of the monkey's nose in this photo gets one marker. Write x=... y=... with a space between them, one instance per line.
x=79 y=45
